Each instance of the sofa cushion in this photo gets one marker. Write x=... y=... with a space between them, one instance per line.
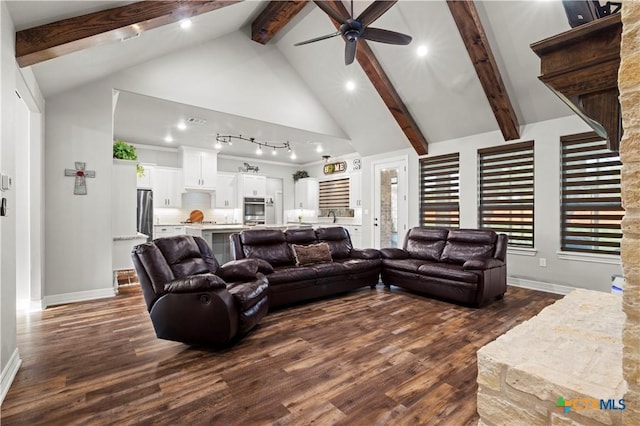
x=314 y=253
x=455 y=252
x=244 y=269
x=329 y=269
x=300 y=236
x=356 y=266
x=183 y=255
x=409 y=265
x=338 y=240
x=426 y=243
x=476 y=236
x=288 y=274
x=448 y=271
x=266 y=244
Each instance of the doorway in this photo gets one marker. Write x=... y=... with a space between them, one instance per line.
x=390 y=202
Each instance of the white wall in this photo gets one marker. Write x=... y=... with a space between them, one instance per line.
x=255 y=82
x=522 y=268
x=78 y=227
x=7 y=165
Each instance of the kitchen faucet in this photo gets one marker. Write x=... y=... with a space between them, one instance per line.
x=331 y=212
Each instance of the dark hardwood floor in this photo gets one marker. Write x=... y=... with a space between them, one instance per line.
x=369 y=357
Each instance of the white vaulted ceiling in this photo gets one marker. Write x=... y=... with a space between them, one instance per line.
x=441 y=90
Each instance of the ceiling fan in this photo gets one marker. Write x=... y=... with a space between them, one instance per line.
x=353 y=29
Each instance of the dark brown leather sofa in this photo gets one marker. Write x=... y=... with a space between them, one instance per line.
x=350 y=269
x=194 y=300
x=466 y=266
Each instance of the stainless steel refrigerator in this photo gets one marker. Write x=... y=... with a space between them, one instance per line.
x=145 y=213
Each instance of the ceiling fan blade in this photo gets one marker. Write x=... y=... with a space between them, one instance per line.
x=337 y=33
x=334 y=14
x=374 y=11
x=350 y=50
x=385 y=36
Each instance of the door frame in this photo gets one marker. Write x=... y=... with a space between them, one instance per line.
x=402 y=163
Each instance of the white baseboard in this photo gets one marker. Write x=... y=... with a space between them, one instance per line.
x=9 y=373
x=79 y=296
x=540 y=285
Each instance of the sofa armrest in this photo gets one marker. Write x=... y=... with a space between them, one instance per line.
x=480 y=263
x=393 y=253
x=195 y=283
x=243 y=269
x=369 y=253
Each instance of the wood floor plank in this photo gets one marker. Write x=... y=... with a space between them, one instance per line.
x=374 y=357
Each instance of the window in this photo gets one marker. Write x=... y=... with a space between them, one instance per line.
x=440 y=191
x=334 y=194
x=591 y=208
x=506 y=191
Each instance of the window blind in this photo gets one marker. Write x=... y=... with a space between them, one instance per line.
x=591 y=207
x=506 y=191
x=440 y=191
x=334 y=194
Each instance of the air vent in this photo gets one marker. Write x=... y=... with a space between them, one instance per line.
x=194 y=120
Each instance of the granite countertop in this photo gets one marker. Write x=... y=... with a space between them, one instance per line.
x=138 y=236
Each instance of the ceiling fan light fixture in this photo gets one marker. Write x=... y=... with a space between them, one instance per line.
x=259 y=150
x=274 y=152
x=218 y=145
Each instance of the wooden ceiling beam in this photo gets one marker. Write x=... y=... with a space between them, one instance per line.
x=38 y=44
x=372 y=68
x=475 y=39
x=275 y=16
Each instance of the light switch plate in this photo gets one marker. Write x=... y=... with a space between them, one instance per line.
x=5 y=182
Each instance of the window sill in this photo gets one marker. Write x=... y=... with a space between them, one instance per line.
x=589 y=257
x=521 y=251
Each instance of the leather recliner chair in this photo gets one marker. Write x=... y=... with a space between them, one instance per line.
x=194 y=300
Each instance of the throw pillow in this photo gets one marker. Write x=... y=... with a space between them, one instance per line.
x=314 y=253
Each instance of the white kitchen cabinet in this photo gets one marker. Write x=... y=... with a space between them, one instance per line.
x=200 y=168
x=253 y=186
x=167 y=187
x=145 y=181
x=226 y=191
x=306 y=194
x=162 y=231
x=355 y=190
x=355 y=232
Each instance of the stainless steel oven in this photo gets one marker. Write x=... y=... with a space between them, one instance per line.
x=254 y=211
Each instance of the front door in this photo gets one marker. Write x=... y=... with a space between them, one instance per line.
x=390 y=202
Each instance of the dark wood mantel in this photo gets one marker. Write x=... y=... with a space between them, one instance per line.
x=581 y=67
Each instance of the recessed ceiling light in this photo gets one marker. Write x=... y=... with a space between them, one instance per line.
x=422 y=50
x=293 y=156
x=185 y=24
x=274 y=152
x=182 y=125
x=259 y=150
x=350 y=86
x=319 y=148
x=168 y=139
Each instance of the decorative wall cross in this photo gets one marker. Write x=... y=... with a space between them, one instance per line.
x=80 y=174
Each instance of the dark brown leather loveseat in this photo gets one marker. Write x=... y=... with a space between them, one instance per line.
x=194 y=300
x=466 y=266
x=348 y=268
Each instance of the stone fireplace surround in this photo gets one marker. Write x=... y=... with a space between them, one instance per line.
x=588 y=344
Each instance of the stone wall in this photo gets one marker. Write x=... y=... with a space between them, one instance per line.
x=629 y=85
x=572 y=349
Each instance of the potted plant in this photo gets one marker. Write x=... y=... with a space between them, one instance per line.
x=125 y=151
x=300 y=174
